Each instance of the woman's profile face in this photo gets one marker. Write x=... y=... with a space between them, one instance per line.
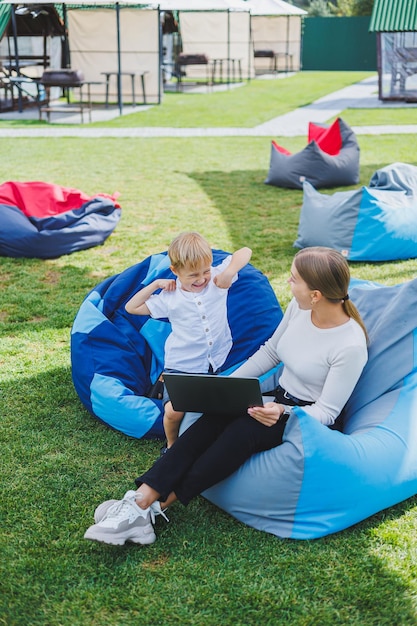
x=299 y=288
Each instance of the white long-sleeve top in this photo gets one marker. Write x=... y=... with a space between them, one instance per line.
x=321 y=365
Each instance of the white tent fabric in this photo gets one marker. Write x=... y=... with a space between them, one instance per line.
x=94 y=49
x=220 y=29
x=219 y=36
x=276 y=26
x=203 y=5
x=273 y=7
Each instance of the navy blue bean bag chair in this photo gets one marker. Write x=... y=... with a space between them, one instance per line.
x=117 y=357
x=320 y=480
x=42 y=220
x=373 y=223
x=330 y=159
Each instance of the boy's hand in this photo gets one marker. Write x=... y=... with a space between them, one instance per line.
x=223 y=280
x=166 y=284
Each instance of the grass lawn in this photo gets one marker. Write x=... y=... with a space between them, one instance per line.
x=380 y=117
x=58 y=462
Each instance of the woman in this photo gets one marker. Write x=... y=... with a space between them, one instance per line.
x=322 y=344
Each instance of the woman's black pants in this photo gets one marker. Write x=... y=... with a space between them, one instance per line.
x=209 y=451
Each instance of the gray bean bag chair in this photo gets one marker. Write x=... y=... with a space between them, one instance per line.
x=330 y=159
x=320 y=480
x=374 y=223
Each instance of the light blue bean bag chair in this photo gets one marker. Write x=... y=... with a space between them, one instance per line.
x=374 y=223
x=320 y=481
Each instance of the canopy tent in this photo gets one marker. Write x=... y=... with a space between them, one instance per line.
x=273 y=7
x=41 y=33
x=127 y=41
x=32 y=38
x=276 y=31
x=219 y=29
x=395 y=22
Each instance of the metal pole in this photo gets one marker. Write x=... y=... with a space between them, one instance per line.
x=251 y=48
x=160 y=58
x=67 y=58
x=119 y=62
x=228 y=48
x=16 y=56
x=287 y=46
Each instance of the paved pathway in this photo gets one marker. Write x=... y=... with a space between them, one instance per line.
x=360 y=95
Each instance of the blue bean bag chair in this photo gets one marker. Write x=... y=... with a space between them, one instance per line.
x=374 y=223
x=320 y=481
x=45 y=221
x=117 y=358
x=330 y=159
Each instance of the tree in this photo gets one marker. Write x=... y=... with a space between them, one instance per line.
x=350 y=8
x=319 y=8
x=340 y=8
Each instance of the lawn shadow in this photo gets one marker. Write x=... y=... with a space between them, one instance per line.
x=254 y=213
x=40 y=294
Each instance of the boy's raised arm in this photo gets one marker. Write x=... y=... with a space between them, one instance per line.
x=240 y=258
x=136 y=305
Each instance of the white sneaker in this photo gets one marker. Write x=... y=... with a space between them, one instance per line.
x=124 y=521
x=102 y=509
x=156 y=509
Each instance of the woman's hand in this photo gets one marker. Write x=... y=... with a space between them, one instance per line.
x=268 y=415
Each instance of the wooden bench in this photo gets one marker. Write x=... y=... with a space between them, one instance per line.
x=229 y=64
x=132 y=75
x=184 y=60
x=65 y=79
x=274 y=57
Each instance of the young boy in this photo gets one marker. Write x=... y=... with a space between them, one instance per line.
x=196 y=305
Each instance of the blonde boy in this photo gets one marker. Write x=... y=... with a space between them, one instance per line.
x=196 y=305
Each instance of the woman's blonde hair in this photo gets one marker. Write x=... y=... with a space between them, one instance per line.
x=189 y=249
x=326 y=270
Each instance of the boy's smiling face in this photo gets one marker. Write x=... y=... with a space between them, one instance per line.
x=194 y=279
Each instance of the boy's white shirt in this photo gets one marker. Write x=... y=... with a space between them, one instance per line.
x=201 y=334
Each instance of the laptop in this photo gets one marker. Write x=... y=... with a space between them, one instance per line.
x=218 y=395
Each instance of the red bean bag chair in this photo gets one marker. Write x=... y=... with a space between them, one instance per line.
x=45 y=221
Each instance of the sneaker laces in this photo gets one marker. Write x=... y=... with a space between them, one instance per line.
x=123 y=509
x=156 y=510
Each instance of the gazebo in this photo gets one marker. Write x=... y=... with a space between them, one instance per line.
x=395 y=22
x=217 y=32
x=102 y=38
x=276 y=28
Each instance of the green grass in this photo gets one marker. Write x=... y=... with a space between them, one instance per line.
x=58 y=462
x=380 y=117
x=256 y=102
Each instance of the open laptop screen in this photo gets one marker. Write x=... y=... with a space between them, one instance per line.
x=218 y=395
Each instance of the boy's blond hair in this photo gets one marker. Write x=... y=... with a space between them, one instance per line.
x=189 y=249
